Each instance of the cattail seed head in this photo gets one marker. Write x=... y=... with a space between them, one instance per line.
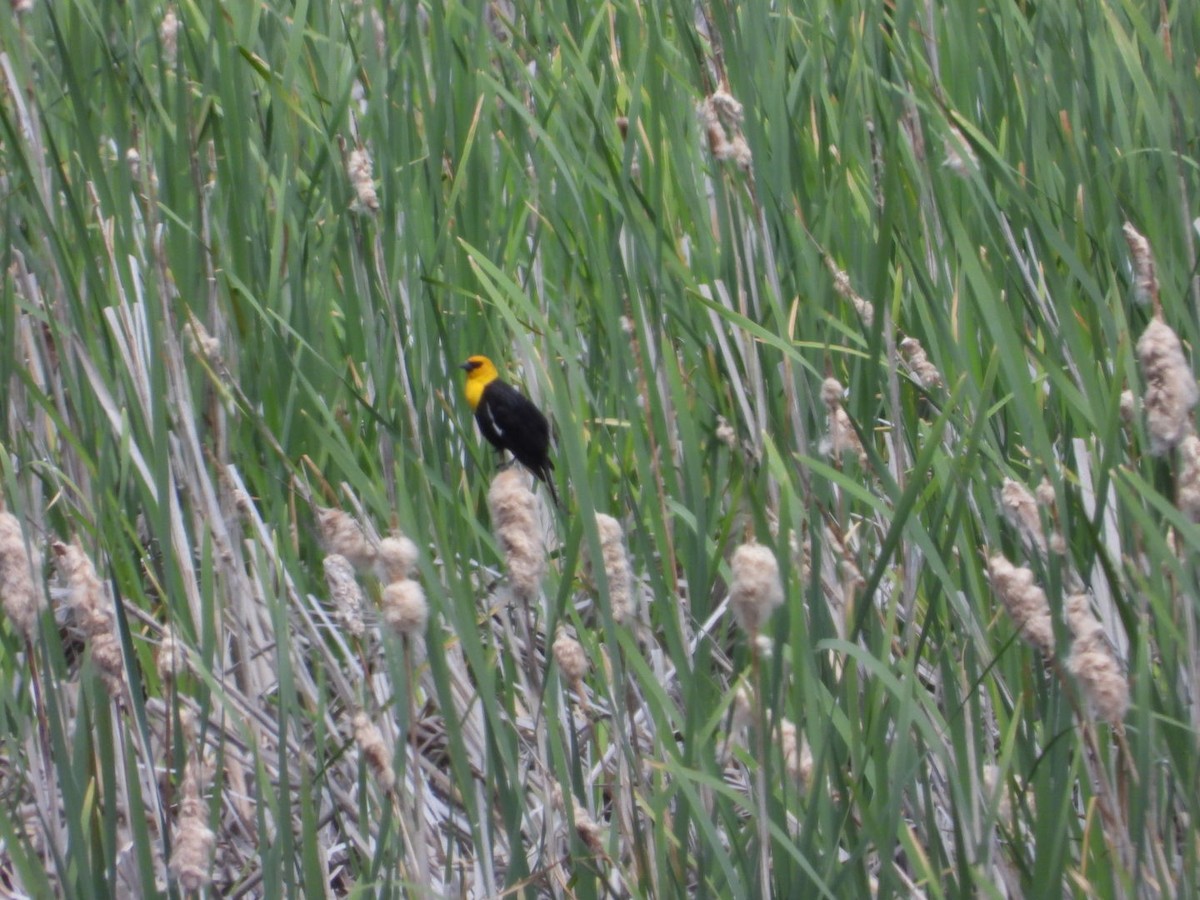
x=1128 y=406
x=1020 y=509
x=21 y=595
x=405 y=610
x=924 y=372
x=571 y=658
x=1171 y=390
x=1187 y=490
x=1145 y=277
x=797 y=757
x=1092 y=662
x=1025 y=601
x=725 y=433
x=168 y=35
x=170 y=659
x=616 y=567
x=397 y=558
x=374 y=751
x=88 y=601
x=191 y=853
x=345 y=592
x=341 y=534
x=360 y=170
x=756 y=591
x=845 y=290
x=841 y=438
x=514 y=517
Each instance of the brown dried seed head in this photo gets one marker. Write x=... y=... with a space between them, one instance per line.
x=405 y=610
x=1093 y=663
x=374 y=750
x=170 y=660
x=1128 y=406
x=89 y=603
x=925 y=372
x=1171 y=390
x=345 y=592
x=1025 y=601
x=1144 y=274
x=341 y=533
x=191 y=854
x=571 y=658
x=21 y=595
x=1020 y=509
x=832 y=393
x=756 y=590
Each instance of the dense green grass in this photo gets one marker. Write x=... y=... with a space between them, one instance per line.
x=643 y=291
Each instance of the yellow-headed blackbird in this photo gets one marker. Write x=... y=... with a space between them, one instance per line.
x=509 y=420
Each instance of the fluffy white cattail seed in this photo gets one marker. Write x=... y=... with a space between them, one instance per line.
x=514 y=517
x=756 y=590
x=1171 y=390
x=571 y=658
x=91 y=607
x=345 y=592
x=21 y=595
x=1187 y=490
x=616 y=568
x=1025 y=601
x=360 y=170
x=1093 y=663
x=1020 y=509
x=397 y=558
x=405 y=610
x=341 y=534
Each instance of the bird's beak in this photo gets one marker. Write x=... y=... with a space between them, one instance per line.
x=466 y=367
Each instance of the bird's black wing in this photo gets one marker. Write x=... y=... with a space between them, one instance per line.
x=511 y=422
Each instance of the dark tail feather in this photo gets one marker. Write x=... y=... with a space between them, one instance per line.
x=546 y=476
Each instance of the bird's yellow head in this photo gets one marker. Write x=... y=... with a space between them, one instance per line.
x=481 y=372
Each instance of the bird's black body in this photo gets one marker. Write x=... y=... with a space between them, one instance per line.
x=510 y=421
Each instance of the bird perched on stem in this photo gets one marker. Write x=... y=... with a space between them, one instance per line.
x=509 y=420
